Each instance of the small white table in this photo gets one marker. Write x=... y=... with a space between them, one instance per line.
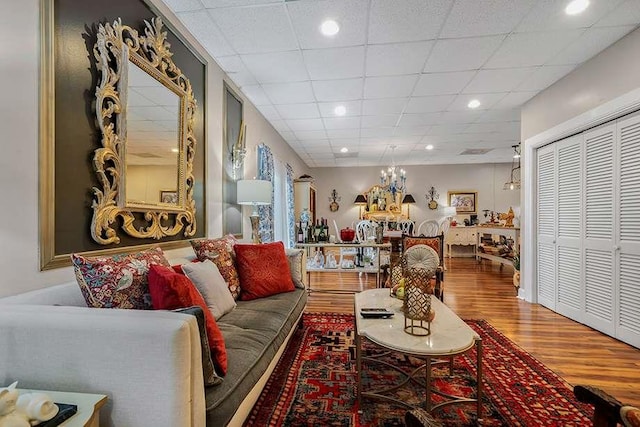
x=89 y=405
x=450 y=336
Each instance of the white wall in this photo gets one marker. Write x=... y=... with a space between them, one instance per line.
x=486 y=179
x=19 y=238
x=144 y=182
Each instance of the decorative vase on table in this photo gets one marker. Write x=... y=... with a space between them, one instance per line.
x=418 y=313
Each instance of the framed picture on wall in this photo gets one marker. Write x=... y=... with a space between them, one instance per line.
x=169 y=196
x=464 y=201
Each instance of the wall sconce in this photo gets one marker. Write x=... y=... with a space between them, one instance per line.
x=239 y=150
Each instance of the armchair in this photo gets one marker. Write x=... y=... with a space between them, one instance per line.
x=607 y=410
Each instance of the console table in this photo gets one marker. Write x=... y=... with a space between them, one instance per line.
x=325 y=247
x=461 y=236
x=511 y=232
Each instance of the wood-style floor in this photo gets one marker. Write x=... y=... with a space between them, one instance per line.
x=576 y=352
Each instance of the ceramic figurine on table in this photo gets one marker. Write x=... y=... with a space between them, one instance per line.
x=25 y=410
x=9 y=416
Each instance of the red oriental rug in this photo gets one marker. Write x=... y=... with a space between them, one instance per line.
x=314 y=384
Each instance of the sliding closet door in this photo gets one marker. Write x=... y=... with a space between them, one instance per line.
x=546 y=226
x=570 y=296
x=628 y=326
x=599 y=228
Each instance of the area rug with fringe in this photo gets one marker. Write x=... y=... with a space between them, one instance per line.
x=314 y=383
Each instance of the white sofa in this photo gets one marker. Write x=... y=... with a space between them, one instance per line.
x=147 y=362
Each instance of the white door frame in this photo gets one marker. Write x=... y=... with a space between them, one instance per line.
x=610 y=110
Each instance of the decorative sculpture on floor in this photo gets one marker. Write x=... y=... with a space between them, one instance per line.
x=24 y=410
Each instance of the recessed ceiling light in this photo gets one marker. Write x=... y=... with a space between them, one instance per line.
x=329 y=28
x=576 y=7
x=429 y=147
x=344 y=150
x=340 y=110
x=174 y=150
x=474 y=103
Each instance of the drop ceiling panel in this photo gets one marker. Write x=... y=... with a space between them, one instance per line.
x=341 y=122
x=383 y=106
x=628 y=13
x=543 y=77
x=338 y=90
x=471 y=18
x=550 y=15
x=334 y=63
x=462 y=54
x=442 y=83
x=504 y=80
x=353 y=108
x=289 y=93
x=393 y=21
x=589 y=44
x=276 y=67
x=203 y=28
x=298 y=111
x=531 y=49
x=397 y=58
x=307 y=16
x=429 y=104
x=389 y=86
x=404 y=70
x=256 y=29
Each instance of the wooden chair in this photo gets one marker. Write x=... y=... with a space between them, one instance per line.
x=406 y=226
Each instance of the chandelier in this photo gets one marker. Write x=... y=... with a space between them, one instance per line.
x=514 y=178
x=394 y=178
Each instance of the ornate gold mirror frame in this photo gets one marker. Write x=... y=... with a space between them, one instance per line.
x=117 y=45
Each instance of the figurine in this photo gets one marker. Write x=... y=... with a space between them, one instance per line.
x=24 y=410
x=508 y=217
x=9 y=416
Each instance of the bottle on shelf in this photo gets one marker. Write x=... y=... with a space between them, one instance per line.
x=300 y=233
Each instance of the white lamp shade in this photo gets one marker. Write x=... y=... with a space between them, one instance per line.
x=253 y=192
x=449 y=211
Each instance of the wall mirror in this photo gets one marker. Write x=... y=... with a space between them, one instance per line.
x=382 y=205
x=145 y=111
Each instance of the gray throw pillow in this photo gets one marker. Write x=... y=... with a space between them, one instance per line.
x=208 y=280
x=209 y=373
x=294 y=256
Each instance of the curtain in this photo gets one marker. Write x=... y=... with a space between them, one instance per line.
x=291 y=219
x=266 y=172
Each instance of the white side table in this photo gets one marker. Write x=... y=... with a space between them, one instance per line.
x=89 y=405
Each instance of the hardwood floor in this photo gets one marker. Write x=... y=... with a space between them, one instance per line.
x=576 y=352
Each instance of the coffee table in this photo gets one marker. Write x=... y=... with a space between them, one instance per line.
x=450 y=336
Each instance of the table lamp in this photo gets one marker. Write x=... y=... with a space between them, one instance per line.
x=408 y=200
x=360 y=201
x=254 y=192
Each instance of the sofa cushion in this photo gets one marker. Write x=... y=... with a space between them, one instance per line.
x=118 y=281
x=171 y=290
x=253 y=333
x=217 y=250
x=209 y=373
x=211 y=284
x=263 y=270
x=294 y=256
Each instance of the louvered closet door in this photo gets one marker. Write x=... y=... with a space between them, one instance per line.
x=546 y=226
x=628 y=325
x=599 y=254
x=570 y=296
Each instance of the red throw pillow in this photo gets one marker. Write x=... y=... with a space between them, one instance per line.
x=263 y=270
x=170 y=290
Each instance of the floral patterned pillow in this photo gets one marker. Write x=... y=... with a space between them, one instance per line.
x=118 y=281
x=220 y=251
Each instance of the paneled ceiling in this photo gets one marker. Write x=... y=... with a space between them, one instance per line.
x=404 y=70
